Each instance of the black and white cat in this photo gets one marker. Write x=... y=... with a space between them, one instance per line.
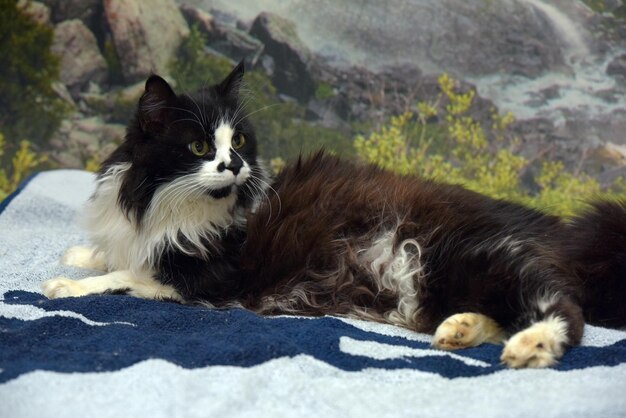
x=172 y=218
x=167 y=218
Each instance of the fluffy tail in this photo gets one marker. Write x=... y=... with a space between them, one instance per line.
x=596 y=246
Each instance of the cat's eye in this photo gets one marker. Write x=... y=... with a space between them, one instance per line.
x=238 y=141
x=199 y=148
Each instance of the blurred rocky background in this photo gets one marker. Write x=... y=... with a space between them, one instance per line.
x=326 y=73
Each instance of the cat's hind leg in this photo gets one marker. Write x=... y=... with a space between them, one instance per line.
x=122 y=281
x=467 y=330
x=84 y=257
x=544 y=342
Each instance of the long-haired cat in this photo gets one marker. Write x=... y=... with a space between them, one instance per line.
x=336 y=238
x=167 y=217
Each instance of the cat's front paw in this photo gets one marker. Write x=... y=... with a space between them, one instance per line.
x=84 y=257
x=466 y=330
x=539 y=346
x=61 y=287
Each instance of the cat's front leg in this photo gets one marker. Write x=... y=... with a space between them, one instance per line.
x=465 y=330
x=121 y=281
x=84 y=257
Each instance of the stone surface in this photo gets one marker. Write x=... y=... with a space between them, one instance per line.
x=146 y=35
x=84 y=10
x=617 y=67
x=39 y=12
x=81 y=60
x=236 y=44
x=81 y=140
x=291 y=57
x=201 y=18
x=224 y=36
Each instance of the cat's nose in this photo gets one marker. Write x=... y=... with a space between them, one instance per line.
x=234 y=166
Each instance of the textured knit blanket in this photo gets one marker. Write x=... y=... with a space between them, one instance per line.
x=119 y=356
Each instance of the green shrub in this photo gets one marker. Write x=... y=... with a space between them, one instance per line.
x=408 y=144
x=23 y=162
x=193 y=67
x=29 y=107
x=324 y=91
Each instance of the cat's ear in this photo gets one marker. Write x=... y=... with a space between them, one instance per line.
x=155 y=104
x=230 y=86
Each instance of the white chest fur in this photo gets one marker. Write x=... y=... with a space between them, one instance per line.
x=175 y=218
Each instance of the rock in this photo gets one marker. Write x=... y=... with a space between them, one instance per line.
x=39 y=12
x=146 y=35
x=117 y=105
x=195 y=16
x=84 y=10
x=236 y=44
x=469 y=37
x=326 y=114
x=81 y=61
x=611 y=5
x=224 y=37
x=292 y=58
x=61 y=90
x=617 y=67
x=81 y=140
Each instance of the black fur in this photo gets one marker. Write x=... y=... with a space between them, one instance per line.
x=480 y=254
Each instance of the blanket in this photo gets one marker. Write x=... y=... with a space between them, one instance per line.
x=113 y=356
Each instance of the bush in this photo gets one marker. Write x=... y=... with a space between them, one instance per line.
x=193 y=67
x=29 y=107
x=22 y=164
x=456 y=150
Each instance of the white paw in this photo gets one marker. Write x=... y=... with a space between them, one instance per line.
x=539 y=346
x=84 y=257
x=61 y=287
x=466 y=330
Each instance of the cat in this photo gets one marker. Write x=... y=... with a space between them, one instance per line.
x=182 y=212
x=167 y=217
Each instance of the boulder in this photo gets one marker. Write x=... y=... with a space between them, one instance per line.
x=39 y=12
x=81 y=140
x=81 y=60
x=224 y=37
x=237 y=44
x=84 y=10
x=617 y=67
x=202 y=19
x=292 y=59
x=146 y=35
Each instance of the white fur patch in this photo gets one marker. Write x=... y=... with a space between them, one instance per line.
x=180 y=213
x=84 y=257
x=210 y=175
x=223 y=139
x=396 y=271
x=539 y=345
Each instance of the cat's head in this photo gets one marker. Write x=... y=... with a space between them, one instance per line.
x=199 y=145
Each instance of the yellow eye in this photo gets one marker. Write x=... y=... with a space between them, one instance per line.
x=199 y=148
x=239 y=141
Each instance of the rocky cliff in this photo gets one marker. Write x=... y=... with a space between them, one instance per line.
x=558 y=65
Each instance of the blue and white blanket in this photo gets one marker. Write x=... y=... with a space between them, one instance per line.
x=119 y=356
